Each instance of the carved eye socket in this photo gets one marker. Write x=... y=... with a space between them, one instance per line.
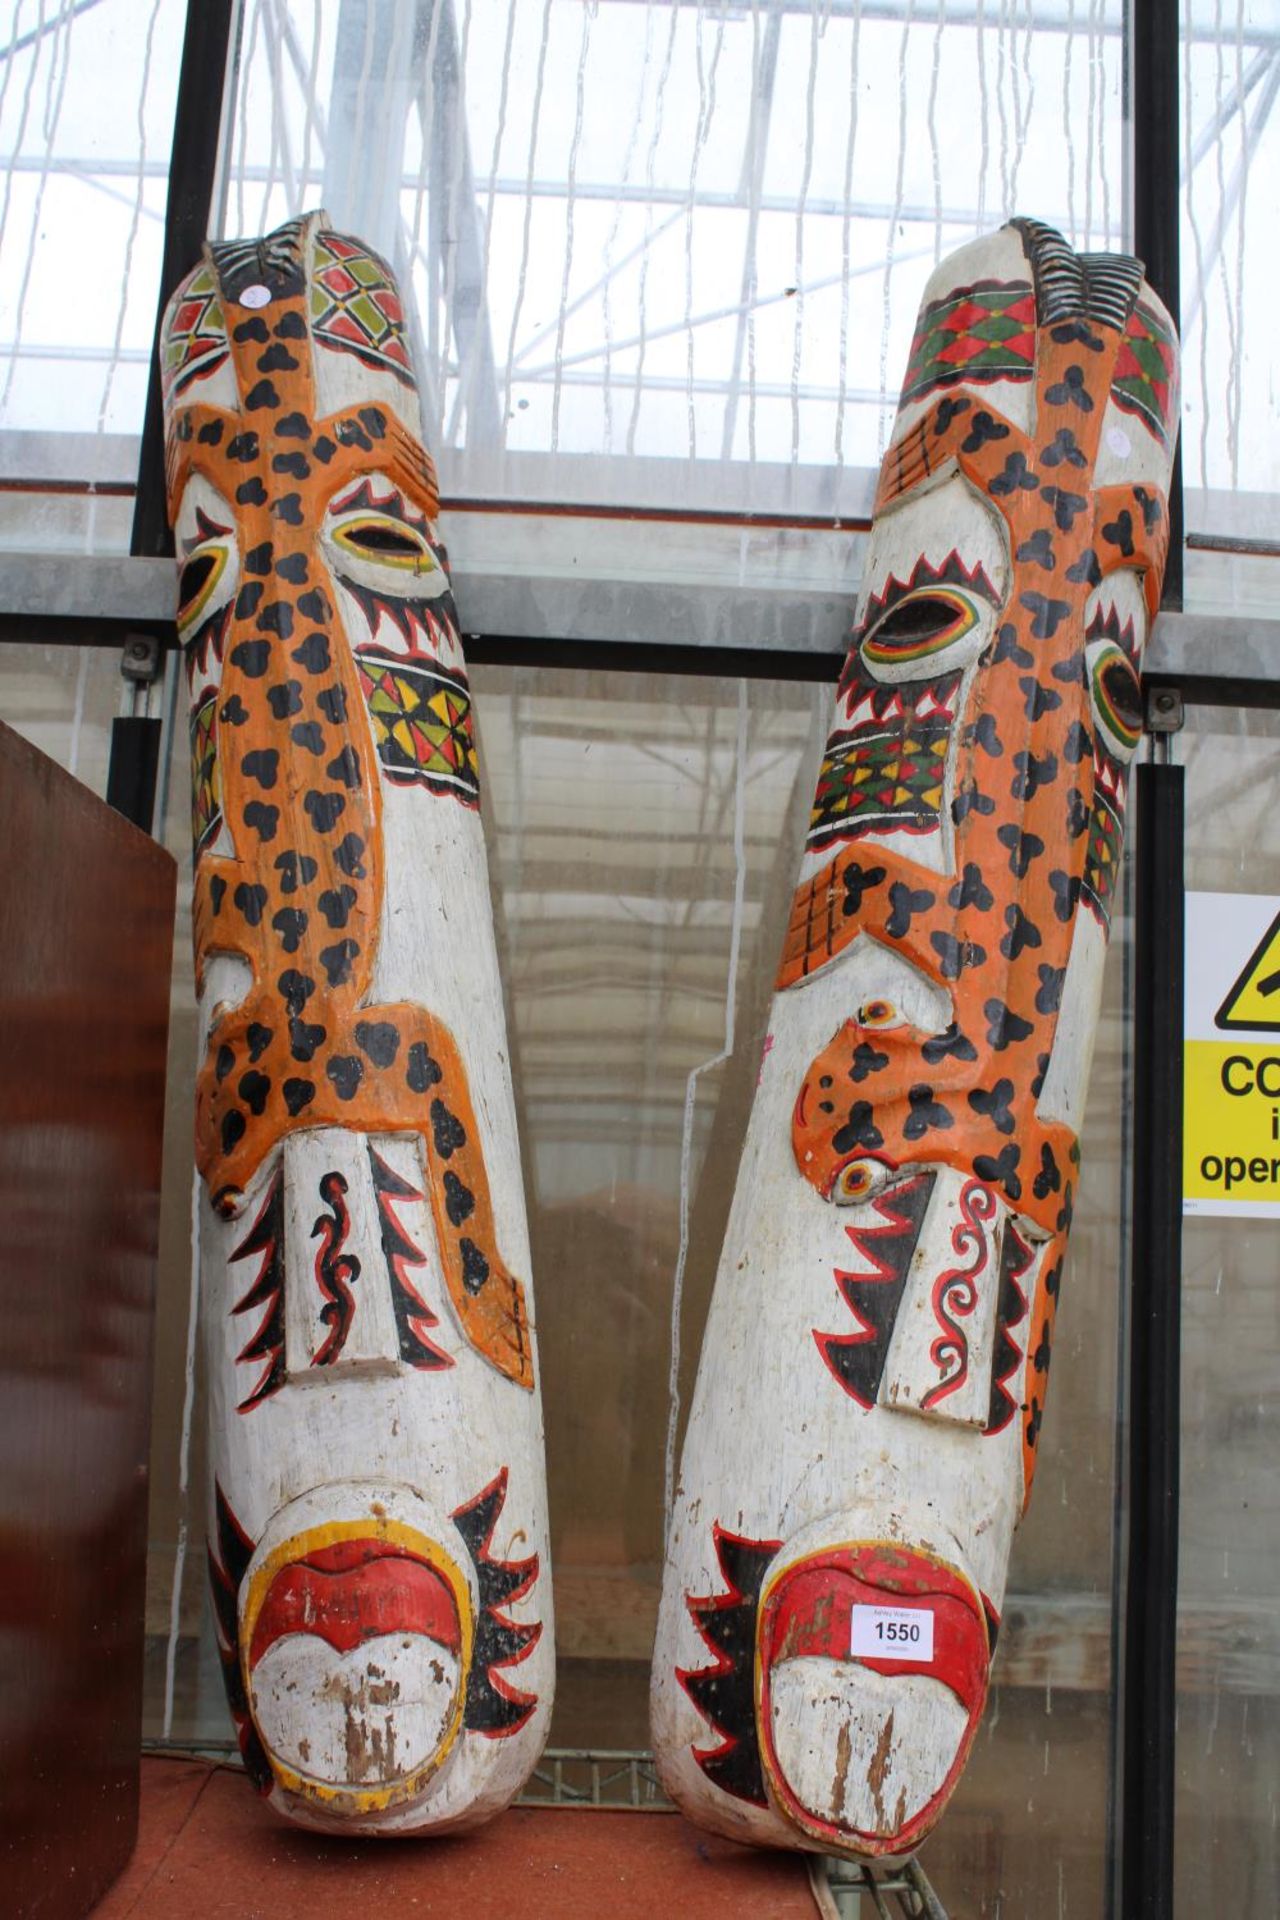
x=859 y=1180
x=920 y=626
x=879 y=1014
x=390 y=542
x=1117 y=697
x=197 y=583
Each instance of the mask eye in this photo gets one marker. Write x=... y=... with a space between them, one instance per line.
x=919 y=627
x=198 y=582
x=389 y=542
x=878 y=1014
x=1117 y=697
x=859 y=1180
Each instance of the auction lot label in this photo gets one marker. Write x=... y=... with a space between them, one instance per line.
x=1231 y=1118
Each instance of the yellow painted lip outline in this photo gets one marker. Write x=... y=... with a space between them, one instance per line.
x=380 y=1527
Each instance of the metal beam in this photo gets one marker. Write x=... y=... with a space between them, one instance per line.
x=133 y=769
x=1154 y=1400
x=114 y=587
x=827 y=206
x=1041 y=19
x=38 y=32
x=193 y=163
x=1214 y=660
x=456 y=234
x=751 y=195
x=1153 y=61
x=1252 y=130
x=380 y=46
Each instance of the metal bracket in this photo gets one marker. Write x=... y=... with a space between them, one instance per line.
x=1164 y=712
x=142 y=659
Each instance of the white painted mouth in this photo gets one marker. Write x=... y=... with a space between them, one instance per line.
x=864 y=1751
x=362 y=1719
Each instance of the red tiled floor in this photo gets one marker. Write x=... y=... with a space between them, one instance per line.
x=209 y=1849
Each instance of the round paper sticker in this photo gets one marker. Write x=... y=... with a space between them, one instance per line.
x=255 y=296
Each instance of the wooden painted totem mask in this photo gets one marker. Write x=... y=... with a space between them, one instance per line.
x=378 y=1526
x=884 y=1312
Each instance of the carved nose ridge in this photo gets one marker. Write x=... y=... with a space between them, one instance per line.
x=942 y=1350
x=351 y=1245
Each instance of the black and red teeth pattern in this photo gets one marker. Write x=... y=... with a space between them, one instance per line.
x=495 y=1706
x=724 y=1692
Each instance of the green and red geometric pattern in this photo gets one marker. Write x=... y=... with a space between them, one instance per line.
x=981 y=333
x=422 y=724
x=355 y=307
x=196 y=342
x=1102 y=854
x=881 y=781
x=206 y=786
x=1146 y=375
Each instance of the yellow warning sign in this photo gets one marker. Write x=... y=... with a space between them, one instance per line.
x=1231 y=1055
x=1231 y=1140
x=1254 y=1000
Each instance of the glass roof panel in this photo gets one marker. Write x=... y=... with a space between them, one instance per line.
x=87 y=93
x=660 y=253
x=1231 y=352
x=683 y=243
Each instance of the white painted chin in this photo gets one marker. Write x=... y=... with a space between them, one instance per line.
x=867 y=1752
x=354 y=1637
x=376 y=1716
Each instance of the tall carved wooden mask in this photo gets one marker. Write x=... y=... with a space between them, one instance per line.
x=869 y=1403
x=378 y=1536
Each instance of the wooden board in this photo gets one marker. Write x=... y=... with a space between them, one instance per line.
x=86 y=932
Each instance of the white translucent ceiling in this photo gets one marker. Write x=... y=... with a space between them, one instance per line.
x=657 y=251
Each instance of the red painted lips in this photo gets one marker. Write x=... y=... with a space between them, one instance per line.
x=353 y=1591
x=808 y=1613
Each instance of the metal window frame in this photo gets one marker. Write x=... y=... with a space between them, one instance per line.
x=1213 y=660
x=1142 y=1879
x=134 y=772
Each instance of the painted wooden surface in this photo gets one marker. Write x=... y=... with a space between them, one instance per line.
x=868 y=1409
x=378 y=1531
x=207 y=1848
x=86 y=939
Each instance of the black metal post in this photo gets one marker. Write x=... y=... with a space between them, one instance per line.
x=193 y=162
x=1151 y=1602
x=135 y=742
x=1154 y=45
x=134 y=768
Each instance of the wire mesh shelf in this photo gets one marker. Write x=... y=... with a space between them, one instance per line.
x=596 y=1777
x=861 y=1891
